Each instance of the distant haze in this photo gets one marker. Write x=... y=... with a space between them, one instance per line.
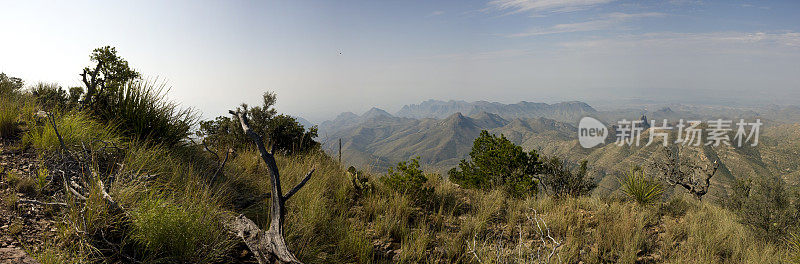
x=327 y=57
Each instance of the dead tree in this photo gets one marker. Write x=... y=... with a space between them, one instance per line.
x=268 y=246
x=676 y=170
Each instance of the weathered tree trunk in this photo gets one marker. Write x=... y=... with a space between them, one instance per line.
x=268 y=246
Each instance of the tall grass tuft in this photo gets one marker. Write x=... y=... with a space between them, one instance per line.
x=794 y=247
x=643 y=190
x=171 y=232
x=141 y=110
x=9 y=114
x=75 y=128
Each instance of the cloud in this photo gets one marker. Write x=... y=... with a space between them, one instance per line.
x=538 y=6
x=775 y=43
x=605 y=22
x=436 y=13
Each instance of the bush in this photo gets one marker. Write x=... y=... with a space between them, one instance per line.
x=559 y=179
x=764 y=204
x=643 y=190
x=407 y=178
x=497 y=163
x=9 y=85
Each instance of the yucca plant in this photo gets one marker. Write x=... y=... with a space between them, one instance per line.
x=640 y=188
x=142 y=112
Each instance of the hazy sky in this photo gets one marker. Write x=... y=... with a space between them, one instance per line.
x=327 y=57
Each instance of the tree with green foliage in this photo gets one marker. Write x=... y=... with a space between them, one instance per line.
x=9 y=85
x=496 y=162
x=107 y=77
x=283 y=131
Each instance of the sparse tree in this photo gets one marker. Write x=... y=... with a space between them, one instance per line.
x=558 y=178
x=282 y=131
x=107 y=77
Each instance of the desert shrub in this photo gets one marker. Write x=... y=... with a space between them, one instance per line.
x=496 y=162
x=9 y=85
x=283 y=131
x=189 y=233
x=561 y=181
x=50 y=96
x=640 y=188
x=764 y=205
x=406 y=177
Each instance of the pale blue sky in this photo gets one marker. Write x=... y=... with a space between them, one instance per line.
x=216 y=54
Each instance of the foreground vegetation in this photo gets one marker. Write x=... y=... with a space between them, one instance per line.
x=174 y=195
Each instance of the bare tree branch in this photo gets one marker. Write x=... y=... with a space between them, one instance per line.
x=298 y=186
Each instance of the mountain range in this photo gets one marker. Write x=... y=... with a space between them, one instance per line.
x=441 y=135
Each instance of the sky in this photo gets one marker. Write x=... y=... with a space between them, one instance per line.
x=327 y=57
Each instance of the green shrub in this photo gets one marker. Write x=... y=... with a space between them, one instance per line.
x=560 y=180
x=764 y=205
x=643 y=190
x=50 y=96
x=406 y=177
x=9 y=85
x=495 y=162
x=170 y=232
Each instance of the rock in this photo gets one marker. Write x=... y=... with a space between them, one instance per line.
x=15 y=255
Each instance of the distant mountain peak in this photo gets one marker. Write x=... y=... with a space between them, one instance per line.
x=375 y=113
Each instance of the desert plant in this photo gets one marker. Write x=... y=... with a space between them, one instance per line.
x=559 y=180
x=142 y=112
x=76 y=128
x=9 y=114
x=284 y=132
x=643 y=190
x=763 y=204
x=406 y=177
x=179 y=233
x=9 y=85
x=496 y=162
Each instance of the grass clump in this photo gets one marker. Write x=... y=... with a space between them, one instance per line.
x=141 y=110
x=643 y=190
x=76 y=128
x=9 y=114
x=173 y=232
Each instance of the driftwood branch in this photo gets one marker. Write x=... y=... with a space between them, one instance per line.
x=268 y=246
